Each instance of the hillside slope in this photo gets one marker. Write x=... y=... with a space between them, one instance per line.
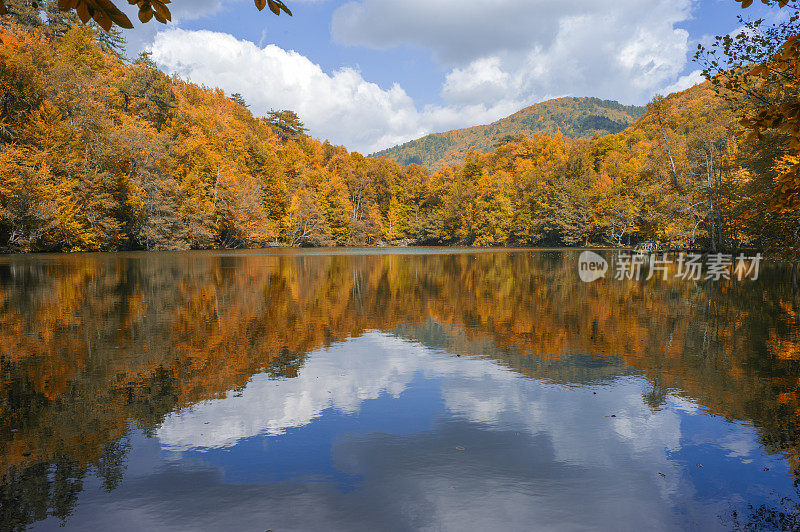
x=573 y=117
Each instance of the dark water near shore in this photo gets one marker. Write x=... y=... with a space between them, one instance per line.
x=361 y=390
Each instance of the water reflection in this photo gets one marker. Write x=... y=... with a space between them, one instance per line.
x=305 y=390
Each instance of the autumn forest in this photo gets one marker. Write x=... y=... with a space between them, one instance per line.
x=99 y=153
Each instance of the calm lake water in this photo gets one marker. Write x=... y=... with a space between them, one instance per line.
x=369 y=390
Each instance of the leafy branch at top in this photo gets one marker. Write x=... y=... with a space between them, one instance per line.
x=106 y=14
x=781 y=3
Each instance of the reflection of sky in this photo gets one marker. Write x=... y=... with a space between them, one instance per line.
x=381 y=433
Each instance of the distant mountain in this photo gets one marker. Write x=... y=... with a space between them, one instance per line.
x=573 y=117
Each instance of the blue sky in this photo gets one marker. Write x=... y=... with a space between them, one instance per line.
x=369 y=74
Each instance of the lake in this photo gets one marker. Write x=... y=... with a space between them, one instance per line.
x=438 y=389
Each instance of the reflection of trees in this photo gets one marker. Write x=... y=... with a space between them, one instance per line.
x=89 y=345
x=47 y=488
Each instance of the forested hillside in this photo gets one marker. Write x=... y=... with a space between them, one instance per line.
x=578 y=118
x=98 y=153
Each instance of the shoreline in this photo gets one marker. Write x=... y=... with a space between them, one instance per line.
x=336 y=250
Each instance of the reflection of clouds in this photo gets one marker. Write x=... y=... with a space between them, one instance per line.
x=534 y=455
x=740 y=445
x=576 y=421
x=684 y=405
x=341 y=377
x=740 y=442
x=476 y=390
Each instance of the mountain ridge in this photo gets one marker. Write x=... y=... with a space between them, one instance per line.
x=573 y=117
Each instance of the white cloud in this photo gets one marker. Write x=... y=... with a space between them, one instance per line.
x=685 y=82
x=341 y=106
x=482 y=80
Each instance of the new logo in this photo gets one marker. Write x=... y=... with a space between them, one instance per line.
x=591 y=266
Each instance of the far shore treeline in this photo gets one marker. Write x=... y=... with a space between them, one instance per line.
x=98 y=153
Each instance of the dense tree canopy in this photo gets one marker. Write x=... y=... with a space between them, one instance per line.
x=98 y=153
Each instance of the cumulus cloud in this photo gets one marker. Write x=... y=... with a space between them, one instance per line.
x=685 y=82
x=528 y=50
x=457 y=31
x=482 y=80
x=341 y=106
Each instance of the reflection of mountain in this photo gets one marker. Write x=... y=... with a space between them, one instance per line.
x=90 y=343
x=567 y=368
